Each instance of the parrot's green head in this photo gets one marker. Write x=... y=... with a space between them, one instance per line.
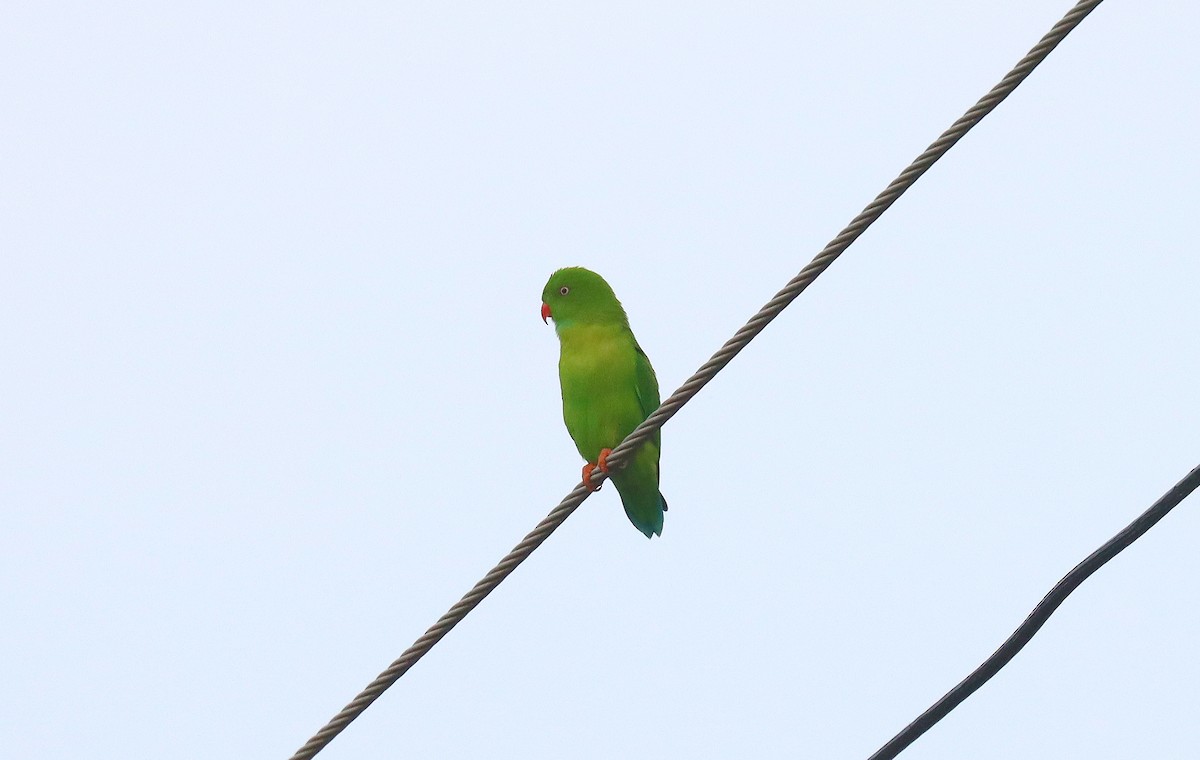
x=576 y=296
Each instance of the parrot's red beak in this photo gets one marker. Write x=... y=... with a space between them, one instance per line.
x=546 y=312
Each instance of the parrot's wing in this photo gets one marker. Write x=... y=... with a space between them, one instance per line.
x=647 y=386
x=647 y=393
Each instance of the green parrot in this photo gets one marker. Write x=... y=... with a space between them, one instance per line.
x=608 y=388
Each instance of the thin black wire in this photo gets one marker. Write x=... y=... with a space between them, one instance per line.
x=1041 y=613
x=702 y=376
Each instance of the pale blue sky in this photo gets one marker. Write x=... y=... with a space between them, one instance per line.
x=276 y=392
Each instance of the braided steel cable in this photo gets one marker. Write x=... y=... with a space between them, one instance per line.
x=857 y=227
x=698 y=380
x=1041 y=613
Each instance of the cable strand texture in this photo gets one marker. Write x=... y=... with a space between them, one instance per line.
x=702 y=376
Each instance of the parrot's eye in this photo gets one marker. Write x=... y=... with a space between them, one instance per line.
x=564 y=290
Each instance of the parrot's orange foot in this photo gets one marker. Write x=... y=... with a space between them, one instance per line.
x=588 y=469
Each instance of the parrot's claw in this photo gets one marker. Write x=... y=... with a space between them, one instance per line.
x=587 y=477
x=601 y=464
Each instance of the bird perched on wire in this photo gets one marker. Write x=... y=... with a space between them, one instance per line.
x=608 y=388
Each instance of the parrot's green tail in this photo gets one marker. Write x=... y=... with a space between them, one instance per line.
x=645 y=514
x=638 y=486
